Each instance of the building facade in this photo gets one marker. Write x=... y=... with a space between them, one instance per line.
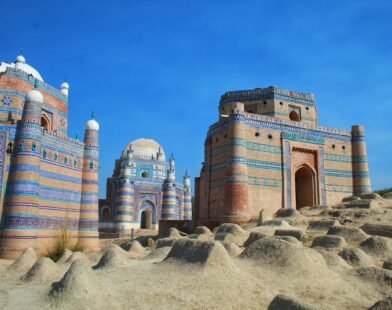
x=267 y=151
x=48 y=181
x=143 y=189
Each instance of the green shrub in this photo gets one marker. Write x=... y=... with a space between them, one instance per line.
x=62 y=241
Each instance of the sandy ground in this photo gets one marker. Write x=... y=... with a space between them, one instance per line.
x=148 y=283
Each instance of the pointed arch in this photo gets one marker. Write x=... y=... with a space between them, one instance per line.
x=305 y=186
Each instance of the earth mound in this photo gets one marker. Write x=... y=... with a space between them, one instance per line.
x=286 y=212
x=296 y=233
x=205 y=254
x=329 y=242
x=111 y=258
x=284 y=256
x=383 y=304
x=44 y=269
x=24 y=261
x=376 y=275
x=78 y=285
x=356 y=257
x=378 y=246
x=232 y=249
x=333 y=260
x=64 y=257
x=322 y=224
x=77 y=256
x=285 y=302
x=202 y=230
x=253 y=237
x=350 y=234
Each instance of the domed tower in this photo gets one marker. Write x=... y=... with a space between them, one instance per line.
x=169 y=202
x=23 y=183
x=88 y=223
x=187 y=198
x=360 y=162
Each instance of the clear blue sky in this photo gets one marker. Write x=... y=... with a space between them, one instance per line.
x=157 y=68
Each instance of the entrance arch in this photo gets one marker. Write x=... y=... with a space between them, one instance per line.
x=147 y=214
x=146 y=219
x=305 y=187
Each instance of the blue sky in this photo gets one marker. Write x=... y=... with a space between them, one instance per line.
x=157 y=68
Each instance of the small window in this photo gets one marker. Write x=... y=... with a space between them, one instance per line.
x=144 y=174
x=265 y=102
x=270 y=136
x=225 y=135
x=44 y=154
x=65 y=160
x=333 y=146
x=216 y=140
x=75 y=162
x=91 y=164
x=281 y=103
x=33 y=147
x=307 y=108
x=343 y=147
x=20 y=146
x=55 y=157
x=257 y=134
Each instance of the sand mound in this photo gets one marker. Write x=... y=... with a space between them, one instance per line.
x=24 y=261
x=67 y=254
x=371 y=196
x=289 y=239
x=286 y=212
x=387 y=265
x=232 y=249
x=111 y=258
x=174 y=233
x=79 y=284
x=77 y=256
x=329 y=242
x=238 y=239
x=285 y=302
x=296 y=233
x=276 y=223
x=384 y=304
x=158 y=253
x=202 y=237
x=202 y=230
x=253 y=237
x=164 y=242
x=136 y=247
x=206 y=254
x=350 y=234
x=334 y=261
x=44 y=269
x=356 y=257
x=376 y=275
x=285 y=256
x=322 y=224
x=378 y=246
x=229 y=228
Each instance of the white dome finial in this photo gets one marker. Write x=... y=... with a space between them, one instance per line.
x=92 y=124
x=20 y=61
x=64 y=87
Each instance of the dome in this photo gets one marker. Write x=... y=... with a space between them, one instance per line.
x=34 y=95
x=20 y=58
x=65 y=85
x=92 y=124
x=144 y=148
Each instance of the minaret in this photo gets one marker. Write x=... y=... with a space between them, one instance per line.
x=187 y=198
x=88 y=223
x=361 y=175
x=169 y=208
x=124 y=205
x=22 y=200
x=236 y=187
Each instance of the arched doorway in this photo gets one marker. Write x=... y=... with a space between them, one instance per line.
x=146 y=219
x=305 y=187
x=45 y=122
x=294 y=116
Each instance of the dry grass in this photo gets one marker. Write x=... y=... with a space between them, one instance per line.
x=63 y=240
